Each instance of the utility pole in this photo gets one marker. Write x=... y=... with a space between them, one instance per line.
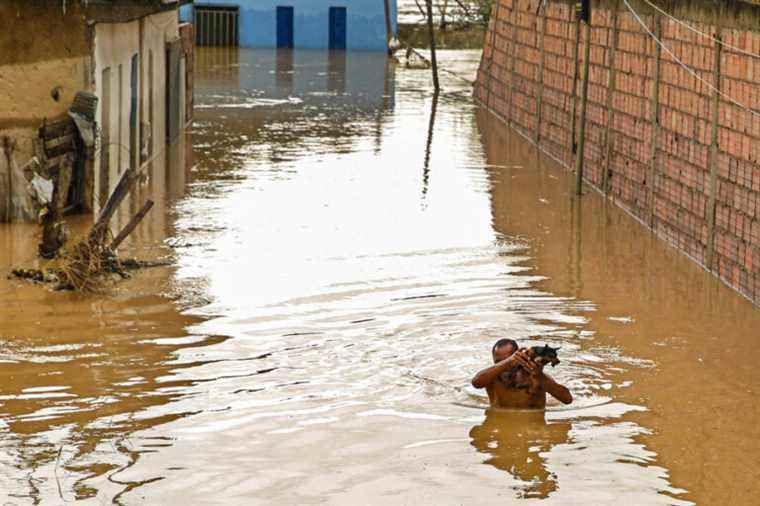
x=583 y=9
x=433 y=61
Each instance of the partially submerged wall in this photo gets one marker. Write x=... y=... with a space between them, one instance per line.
x=131 y=55
x=44 y=61
x=660 y=141
x=51 y=51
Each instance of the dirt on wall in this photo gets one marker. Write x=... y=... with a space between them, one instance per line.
x=660 y=141
x=45 y=89
x=44 y=60
x=41 y=31
x=51 y=29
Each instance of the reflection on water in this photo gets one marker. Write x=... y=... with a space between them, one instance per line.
x=683 y=326
x=289 y=102
x=347 y=250
x=428 y=145
x=82 y=375
x=515 y=441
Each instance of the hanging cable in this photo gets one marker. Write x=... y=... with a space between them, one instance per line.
x=686 y=67
x=703 y=34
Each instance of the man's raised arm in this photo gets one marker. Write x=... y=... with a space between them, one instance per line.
x=490 y=374
x=557 y=391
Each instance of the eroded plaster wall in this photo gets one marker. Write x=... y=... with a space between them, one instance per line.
x=44 y=61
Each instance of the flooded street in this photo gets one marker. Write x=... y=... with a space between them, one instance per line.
x=346 y=251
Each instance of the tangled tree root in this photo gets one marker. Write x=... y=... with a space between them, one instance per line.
x=86 y=266
x=92 y=261
x=84 y=271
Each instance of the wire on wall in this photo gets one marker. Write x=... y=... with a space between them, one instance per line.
x=699 y=32
x=686 y=67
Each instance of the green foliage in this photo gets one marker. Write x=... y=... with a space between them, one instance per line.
x=484 y=10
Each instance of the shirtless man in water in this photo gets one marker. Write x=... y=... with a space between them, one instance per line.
x=506 y=355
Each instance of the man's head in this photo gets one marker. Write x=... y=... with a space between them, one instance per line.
x=503 y=349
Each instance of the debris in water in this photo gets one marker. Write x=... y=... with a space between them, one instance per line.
x=620 y=319
x=62 y=279
x=89 y=263
x=415 y=60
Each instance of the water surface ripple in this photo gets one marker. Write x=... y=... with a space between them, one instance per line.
x=347 y=249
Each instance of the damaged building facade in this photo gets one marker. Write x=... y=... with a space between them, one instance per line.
x=88 y=88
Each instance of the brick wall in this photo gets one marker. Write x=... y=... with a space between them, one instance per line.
x=652 y=145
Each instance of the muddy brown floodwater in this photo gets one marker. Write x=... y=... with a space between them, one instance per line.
x=341 y=269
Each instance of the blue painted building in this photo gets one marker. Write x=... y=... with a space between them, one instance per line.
x=334 y=24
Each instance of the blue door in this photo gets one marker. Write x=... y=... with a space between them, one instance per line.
x=284 y=27
x=337 y=28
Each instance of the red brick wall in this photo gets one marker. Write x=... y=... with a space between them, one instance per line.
x=669 y=193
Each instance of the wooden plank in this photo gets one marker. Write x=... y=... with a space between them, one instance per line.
x=576 y=46
x=123 y=187
x=431 y=34
x=136 y=219
x=57 y=129
x=712 y=200
x=57 y=160
x=611 y=84
x=61 y=150
x=541 y=64
x=58 y=141
x=655 y=122
x=579 y=157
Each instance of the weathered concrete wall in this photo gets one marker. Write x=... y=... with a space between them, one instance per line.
x=651 y=143
x=115 y=46
x=52 y=50
x=44 y=61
